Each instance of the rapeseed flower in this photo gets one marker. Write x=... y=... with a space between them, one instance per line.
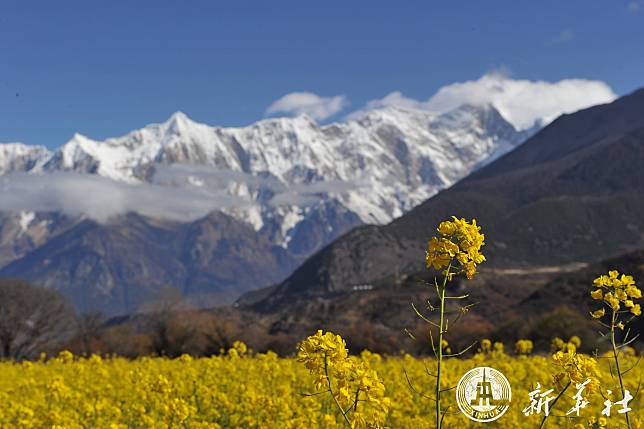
x=357 y=391
x=459 y=243
x=616 y=291
x=575 y=368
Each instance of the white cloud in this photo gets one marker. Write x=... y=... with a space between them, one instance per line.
x=181 y=193
x=395 y=99
x=182 y=175
x=101 y=199
x=521 y=102
x=317 y=107
x=311 y=193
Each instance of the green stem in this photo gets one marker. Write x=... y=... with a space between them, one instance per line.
x=440 y=348
x=328 y=380
x=615 y=356
x=355 y=403
x=545 y=417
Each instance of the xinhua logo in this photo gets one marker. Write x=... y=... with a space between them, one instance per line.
x=483 y=394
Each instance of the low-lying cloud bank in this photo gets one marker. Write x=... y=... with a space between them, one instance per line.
x=179 y=192
x=100 y=198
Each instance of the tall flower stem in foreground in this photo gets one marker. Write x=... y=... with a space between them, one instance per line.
x=441 y=332
x=615 y=292
x=456 y=251
x=616 y=358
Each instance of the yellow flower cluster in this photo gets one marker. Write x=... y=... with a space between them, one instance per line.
x=256 y=391
x=459 y=241
x=238 y=349
x=321 y=353
x=523 y=347
x=615 y=291
x=557 y=344
x=354 y=386
x=492 y=350
x=576 y=368
x=486 y=346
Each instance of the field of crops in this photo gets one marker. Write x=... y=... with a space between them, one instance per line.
x=262 y=391
x=322 y=386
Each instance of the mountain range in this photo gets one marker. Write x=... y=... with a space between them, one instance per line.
x=216 y=212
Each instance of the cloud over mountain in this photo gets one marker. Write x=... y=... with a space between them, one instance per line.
x=317 y=107
x=520 y=101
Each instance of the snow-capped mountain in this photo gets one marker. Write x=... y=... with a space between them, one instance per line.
x=22 y=157
x=297 y=184
x=377 y=167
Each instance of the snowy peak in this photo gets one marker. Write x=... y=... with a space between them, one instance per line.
x=16 y=157
x=179 y=119
x=180 y=124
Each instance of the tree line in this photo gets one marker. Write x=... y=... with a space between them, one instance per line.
x=36 y=320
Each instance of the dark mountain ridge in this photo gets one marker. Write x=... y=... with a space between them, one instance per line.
x=118 y=266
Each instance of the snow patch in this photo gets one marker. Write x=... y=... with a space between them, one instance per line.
x=26 y=217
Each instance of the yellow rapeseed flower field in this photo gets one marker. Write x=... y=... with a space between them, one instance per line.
x=243 y=390
x=322 y=386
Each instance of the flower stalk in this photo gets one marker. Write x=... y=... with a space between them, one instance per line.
x=613 y=344
x=617 y=294
x=456 y=251
x=441 y=331
x=333 y=395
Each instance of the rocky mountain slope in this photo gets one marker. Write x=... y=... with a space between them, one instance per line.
x=117 y=266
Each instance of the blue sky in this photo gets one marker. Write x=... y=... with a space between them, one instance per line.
x=103 y=68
